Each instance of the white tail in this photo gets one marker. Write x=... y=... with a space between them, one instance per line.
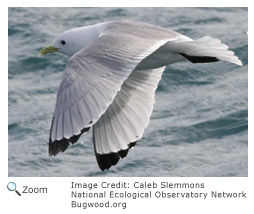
x=205 y=48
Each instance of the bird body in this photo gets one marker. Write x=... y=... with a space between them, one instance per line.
x=110 y=81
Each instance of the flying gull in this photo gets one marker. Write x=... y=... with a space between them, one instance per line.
x=110 y=80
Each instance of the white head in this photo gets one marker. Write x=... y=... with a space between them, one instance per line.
x=72 y=41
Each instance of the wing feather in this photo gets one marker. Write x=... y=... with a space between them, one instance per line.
x=124 y=121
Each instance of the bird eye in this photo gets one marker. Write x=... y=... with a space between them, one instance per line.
x=63 y=42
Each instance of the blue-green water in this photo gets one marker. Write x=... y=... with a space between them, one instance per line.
x=199 y=126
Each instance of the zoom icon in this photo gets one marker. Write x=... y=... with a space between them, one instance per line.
x=11 y=186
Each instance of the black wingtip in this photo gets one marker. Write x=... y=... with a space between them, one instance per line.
x=57 y=146
x=200 y=59
x=105 y=161
x=61 y=145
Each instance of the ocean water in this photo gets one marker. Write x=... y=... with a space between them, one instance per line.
x=199 y=126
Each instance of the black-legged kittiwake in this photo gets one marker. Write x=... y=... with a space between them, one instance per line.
x=110 y=80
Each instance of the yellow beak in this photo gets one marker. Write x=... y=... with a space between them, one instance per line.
x=48 y=49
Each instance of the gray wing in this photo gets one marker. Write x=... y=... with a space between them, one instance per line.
x=91 y=80
x=142 y=30
x=125 y=120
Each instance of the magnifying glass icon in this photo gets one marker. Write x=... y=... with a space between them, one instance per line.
x=11 y=186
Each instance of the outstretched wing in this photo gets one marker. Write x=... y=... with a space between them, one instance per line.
x=90 y=82
x=119 y=128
